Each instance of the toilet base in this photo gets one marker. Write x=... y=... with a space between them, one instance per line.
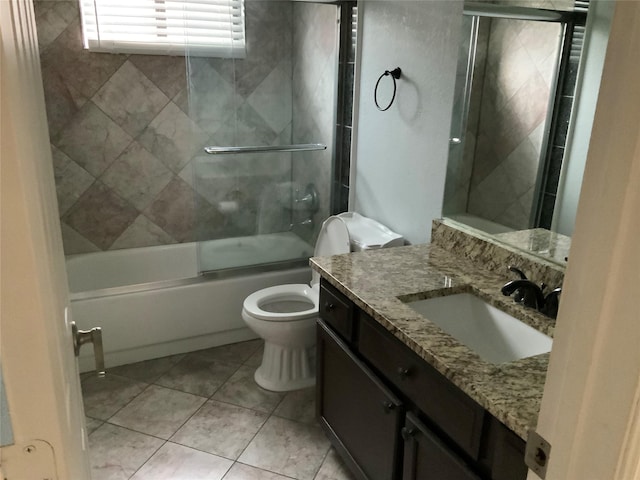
x=286 y=368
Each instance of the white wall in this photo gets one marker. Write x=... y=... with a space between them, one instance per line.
x=597 y=37
x=400 y=156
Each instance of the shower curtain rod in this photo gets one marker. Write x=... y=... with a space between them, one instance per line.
x=302 y=147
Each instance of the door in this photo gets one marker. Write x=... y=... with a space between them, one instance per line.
x=427 y=458
x=357 y=410
x=39 y=369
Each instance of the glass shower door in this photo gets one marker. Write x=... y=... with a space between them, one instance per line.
x=257 y=201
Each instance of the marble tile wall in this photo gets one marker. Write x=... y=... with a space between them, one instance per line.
x=127 y=133
x=518 y=75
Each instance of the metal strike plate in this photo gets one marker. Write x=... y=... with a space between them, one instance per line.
x=536 y=454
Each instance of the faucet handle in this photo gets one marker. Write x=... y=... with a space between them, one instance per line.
x=552 y=302
x=519 y=294
x=514 y=269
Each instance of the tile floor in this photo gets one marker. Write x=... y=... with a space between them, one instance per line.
x=201 y=416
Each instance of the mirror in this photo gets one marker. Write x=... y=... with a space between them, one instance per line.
x=515 y=84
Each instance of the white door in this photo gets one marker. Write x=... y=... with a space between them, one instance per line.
x=37 y=362
x=590 y=410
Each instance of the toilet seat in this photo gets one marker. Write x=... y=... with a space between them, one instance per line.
x=293 y=292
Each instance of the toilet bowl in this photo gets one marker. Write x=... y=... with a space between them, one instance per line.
x=285 y=315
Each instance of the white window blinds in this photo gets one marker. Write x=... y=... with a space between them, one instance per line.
x=213 y=28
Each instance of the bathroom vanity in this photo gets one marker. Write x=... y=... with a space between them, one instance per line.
x=400 y=398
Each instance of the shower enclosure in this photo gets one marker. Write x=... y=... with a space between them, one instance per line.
x=266 y=126
x=165 y=240
x=512 y=69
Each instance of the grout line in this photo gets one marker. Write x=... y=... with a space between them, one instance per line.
x=148 y=459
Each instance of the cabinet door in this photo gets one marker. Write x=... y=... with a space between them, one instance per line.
x=360 y=415
x=454 y=412
x=427 y=458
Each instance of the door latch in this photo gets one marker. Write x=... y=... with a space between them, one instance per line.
x=80 y=337
x=537 y=452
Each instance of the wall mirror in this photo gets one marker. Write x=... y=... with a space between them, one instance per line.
x=515 y=88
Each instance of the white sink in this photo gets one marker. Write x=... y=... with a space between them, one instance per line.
x=494 y=335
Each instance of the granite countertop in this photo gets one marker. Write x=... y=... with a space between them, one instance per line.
x=378 y=281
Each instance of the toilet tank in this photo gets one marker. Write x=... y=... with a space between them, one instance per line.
x=366 y=233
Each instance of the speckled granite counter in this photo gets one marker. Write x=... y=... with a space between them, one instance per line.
x=378 y=281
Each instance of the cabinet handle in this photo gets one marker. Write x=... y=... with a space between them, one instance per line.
x=388 y=406
x=407 y=433
x=328 y=307
x=403 y=372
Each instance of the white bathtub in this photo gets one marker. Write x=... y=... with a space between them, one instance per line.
x=150 y=302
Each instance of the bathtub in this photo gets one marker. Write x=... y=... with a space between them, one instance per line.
x=479 y=223
x=151 y=302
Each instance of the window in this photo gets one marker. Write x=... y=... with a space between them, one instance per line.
x=211 y=28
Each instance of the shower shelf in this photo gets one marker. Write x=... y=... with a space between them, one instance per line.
x=303 y=147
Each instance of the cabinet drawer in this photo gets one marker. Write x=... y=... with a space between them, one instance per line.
x=337 y=311
x=457 y=415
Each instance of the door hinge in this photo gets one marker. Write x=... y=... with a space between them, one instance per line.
x=536 y=454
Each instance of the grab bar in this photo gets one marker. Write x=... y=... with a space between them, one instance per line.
x=302 y=147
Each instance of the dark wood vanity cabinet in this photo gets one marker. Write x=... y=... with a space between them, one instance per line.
x=391 y=415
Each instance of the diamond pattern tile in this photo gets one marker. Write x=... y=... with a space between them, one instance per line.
x=71 y=179
x=137 y=163
x=132 y=122
x=100 y=215
x=92 y=139
x=130 y=99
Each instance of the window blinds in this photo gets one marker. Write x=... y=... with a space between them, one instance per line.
x=200 y=27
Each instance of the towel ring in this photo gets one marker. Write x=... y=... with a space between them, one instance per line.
x=395 y=74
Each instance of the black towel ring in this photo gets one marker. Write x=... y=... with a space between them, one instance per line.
x=395 y=74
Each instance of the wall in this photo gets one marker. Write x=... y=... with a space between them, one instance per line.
x=586 y=95
x=125 y=132
x=398 y=172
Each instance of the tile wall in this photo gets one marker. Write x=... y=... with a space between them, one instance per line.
x=127 y=133
x=518 y=76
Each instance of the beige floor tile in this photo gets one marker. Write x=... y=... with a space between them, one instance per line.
x=221 y=429
x=158 y=411
x=299 y=405
x=288 y=448
x=241 y=389
x=116 y=453
x=92 y=424
x=232 y=353
x=240 y=471
x=197 y=375
x=333 y=468
x=104 y=396
x=147 y=371
x=255 y=360
x=176 y=462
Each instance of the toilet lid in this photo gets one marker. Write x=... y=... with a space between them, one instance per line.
x=333 y=239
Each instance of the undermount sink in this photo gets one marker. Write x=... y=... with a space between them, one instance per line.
x=494 y=335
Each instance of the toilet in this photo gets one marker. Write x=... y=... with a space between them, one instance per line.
x=285 y=315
